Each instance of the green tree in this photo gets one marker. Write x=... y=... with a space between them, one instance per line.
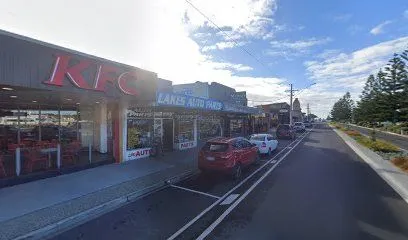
x=342 y=109
x=392 y=87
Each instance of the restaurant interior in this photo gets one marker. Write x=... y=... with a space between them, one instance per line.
x=49 y=131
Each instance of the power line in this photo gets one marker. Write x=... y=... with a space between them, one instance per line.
x=229 y=37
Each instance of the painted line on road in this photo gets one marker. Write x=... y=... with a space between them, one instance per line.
x=229 y=199
x=194 y=191
x=243 y=196
x=274 y=161
x=192 y=221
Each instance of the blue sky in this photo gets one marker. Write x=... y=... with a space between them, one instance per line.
x=335 y=44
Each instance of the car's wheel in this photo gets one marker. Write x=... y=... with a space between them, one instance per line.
x=237 y=173
x=269 y=152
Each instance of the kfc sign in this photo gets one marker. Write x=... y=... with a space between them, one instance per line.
x=104 y=75
x=138 y=153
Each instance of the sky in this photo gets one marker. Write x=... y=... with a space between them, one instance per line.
x=324 y=48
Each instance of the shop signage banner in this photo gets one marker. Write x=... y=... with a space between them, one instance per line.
x=178 y=100
x=186 y=145
x=137 y=153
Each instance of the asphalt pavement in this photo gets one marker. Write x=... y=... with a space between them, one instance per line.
x=313 y=188
x=399 y=141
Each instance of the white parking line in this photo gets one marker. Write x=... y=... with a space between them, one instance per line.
x=194 y=191
x=229 y=199
x=192 y=221
x=243 y=196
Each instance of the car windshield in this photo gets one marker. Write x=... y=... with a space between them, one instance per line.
x=215 y=147
x=257 y=138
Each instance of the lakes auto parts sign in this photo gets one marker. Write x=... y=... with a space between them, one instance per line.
x=102 y=76
x=179 y=100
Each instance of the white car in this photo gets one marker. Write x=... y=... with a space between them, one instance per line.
x=299 y=127
x=266 y=143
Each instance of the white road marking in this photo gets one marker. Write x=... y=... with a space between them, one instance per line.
x=243 y=196
x=229 y=199
x=192 y=221
x=194 y=191
x=274 y=161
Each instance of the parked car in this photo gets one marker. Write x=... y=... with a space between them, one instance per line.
x=227 y=155
x=299 y=127
x=266 y=143
x=285 y=131
x=307 y=124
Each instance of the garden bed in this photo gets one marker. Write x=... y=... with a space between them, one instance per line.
x=386 y=150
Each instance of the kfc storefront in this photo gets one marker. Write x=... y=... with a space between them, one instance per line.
x=63 y=109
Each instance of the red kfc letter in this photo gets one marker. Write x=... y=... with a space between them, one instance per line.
x=123 y=81
x=104 y=75
x=61 y=67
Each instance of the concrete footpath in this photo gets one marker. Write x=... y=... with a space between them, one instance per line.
x=395 y=177
x=36 y=209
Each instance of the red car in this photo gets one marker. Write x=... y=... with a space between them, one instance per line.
x=227 y=155
x=285 y=131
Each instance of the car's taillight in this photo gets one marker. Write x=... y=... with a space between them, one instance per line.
x=263 y=144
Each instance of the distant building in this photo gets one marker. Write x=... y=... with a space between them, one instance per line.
x=276 y=113
x=297 y=111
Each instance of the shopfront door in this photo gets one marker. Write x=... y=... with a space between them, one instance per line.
x=167 y=134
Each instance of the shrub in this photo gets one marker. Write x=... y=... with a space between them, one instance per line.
x=405 y=166
x=353 y=133
x=378 y=145
x=399 y=161
x=383 y=146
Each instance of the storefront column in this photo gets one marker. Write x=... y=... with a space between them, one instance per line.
x=101 y=132
x=123 y=107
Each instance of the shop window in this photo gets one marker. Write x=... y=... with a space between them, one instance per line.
x=236 y=127
x=210 y=128
x=184 y=131
x=139 y=133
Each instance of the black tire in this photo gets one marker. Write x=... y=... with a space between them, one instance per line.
x=237 y=172
x=257 y=159
x=269 y=152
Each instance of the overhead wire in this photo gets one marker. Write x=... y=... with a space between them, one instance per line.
x=230 y=38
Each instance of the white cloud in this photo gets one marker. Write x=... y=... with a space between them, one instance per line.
x=380 y=27
x=243 y=17
x=223 y=45
x=147 y=34
x=342 y=17
x=348 y=71
x=296 y=48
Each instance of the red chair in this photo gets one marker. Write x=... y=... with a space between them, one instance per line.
x=33 y=157
x=2 y=168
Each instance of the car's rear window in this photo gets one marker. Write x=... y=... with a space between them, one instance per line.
x=215 y=147
x=283 y=127
x=257 y=138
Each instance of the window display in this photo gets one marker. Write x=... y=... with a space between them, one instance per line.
x=139 y=128
x=210 y=127
x=184 y=131
x=236 y=126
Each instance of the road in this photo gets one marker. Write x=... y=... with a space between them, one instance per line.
x=314 y=188
x=401 y=142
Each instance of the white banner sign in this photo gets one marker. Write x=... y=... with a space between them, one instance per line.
x=186 y=145
x=137 y=153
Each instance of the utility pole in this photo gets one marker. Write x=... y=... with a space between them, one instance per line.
x=291 y=102
x=308 y=112
x=291 y=105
